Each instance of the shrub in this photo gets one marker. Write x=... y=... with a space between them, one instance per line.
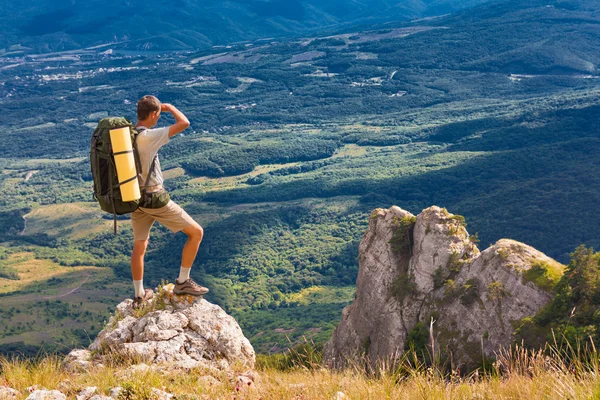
x=403 y=285
x=496 y=291
x=469 y=292
x=454 y=263
x=438 y=277
x=449 y=287
x=401 y=240
x=417 y=339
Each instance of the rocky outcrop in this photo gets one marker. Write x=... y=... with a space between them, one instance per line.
x=179 y=332
x=8 y=393
x=46 y=395
x=426 y=271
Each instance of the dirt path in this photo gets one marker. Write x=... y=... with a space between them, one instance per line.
x=29 y=175
x=87 y=277
x=24 y=226
x=38 y=298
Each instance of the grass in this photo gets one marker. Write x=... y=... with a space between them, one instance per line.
x=61 y=306
x=73 y=220
x=34 y=272
x=228 y=182
x=517 y=374
x=544 y=274
x=321 y=294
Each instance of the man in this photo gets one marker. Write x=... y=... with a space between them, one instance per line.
x=155 y=204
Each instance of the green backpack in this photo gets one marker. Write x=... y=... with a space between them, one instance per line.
x=104 y=172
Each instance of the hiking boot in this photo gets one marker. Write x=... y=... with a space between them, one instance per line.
x=142 y=300
x=189 y=287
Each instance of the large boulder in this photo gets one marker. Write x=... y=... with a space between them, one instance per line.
x=175 y=331
x=425 y=275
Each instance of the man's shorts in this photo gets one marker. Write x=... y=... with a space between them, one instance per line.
x=172 y=216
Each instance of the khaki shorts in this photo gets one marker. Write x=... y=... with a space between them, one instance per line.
x=172 y=216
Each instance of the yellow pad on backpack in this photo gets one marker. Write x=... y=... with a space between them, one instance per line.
x=125 y=163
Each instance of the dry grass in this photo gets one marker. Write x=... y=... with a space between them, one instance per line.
x=517 y=374
x=228 y=182
x=74 y=220
x=33 y=271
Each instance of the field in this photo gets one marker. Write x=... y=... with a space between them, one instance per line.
x=53 y=305
x=519 y=374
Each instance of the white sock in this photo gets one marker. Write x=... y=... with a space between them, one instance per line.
x=184 y=274
x=138 y=286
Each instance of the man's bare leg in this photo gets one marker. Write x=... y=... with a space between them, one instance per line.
x=137 y=259
x=137 y=266
x=190 y=249
x=183 y=284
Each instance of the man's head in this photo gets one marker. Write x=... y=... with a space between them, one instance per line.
x=148 y=110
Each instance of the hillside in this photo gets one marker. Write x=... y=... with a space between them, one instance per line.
x=45 y=26
x=491 y=112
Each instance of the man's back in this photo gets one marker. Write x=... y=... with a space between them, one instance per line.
x=148 y=142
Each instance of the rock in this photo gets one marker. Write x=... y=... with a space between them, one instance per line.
x=124 y=308
x=114 y=392
x=297 y=385
x=158 y=394
x=100 y=397
x=413 y=270
x=221 y=332
x=46 y=395
x=339 y=396
x=8 y=393
x=78 y=360
x=180 y=332
x=252 y=375
x=136 y=370
x=33 y=388
x=243 y=383
x=87 y=393
x=65 y=385
x=186 y=365
x=118 y=331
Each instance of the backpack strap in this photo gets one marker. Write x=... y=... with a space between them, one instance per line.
x=150 y=171
x=152 y=166
x=112 y=196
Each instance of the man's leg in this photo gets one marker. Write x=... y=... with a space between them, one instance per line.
x=195 y=234
x=137 y=259
x=141 y=224
x=183 y=284
x=176 y=219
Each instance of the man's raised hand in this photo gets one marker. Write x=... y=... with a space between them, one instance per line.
x=181 y=122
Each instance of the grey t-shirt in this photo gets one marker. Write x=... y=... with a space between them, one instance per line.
x=148 y=142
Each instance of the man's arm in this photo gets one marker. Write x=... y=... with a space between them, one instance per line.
x=181 y=122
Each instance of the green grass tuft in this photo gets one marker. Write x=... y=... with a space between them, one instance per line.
x=544 y=275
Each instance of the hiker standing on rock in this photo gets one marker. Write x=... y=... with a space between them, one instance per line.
x=155 y=204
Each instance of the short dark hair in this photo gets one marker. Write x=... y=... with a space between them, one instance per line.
x=146 y=105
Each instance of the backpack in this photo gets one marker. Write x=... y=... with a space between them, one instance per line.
x=104 y=172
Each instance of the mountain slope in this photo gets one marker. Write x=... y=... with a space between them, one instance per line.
x=46 y=25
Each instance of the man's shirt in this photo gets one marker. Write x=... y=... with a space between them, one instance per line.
x=148 y=142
